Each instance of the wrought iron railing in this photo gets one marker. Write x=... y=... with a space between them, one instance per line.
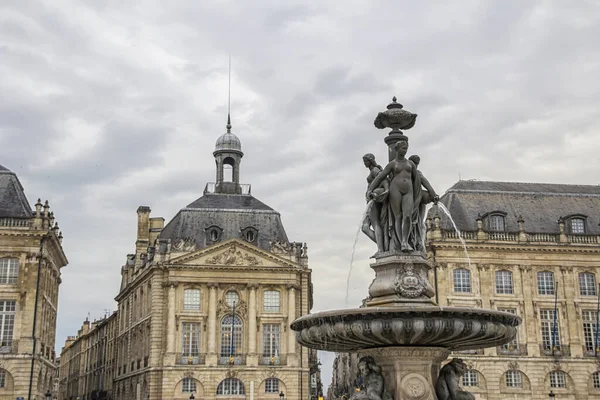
x=559 y=350
x=512 y=349
x=272 y=360
x=9 y=347
x=197 y=359
x=238 y=359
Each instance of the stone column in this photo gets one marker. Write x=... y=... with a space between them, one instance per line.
x=211 y=358
x=409 y=372
x=252 y=358
x=291 y=339
x=172 y=285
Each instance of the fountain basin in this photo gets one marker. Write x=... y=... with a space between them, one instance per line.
x=451 y=328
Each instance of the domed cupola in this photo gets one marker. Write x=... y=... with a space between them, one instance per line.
x=228 y=151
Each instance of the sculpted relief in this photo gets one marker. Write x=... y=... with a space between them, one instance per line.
x=233 y=256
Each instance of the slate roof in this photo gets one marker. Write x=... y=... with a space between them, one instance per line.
x=230 y=212
x=13 y=202
x=540 y=204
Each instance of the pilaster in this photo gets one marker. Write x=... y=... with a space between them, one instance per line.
x=169 y=357
x=252 y=358
x=211 y=357
x=291 y=339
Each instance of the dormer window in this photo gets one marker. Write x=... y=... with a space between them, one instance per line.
x=213 y=234
x=497 y=223
x=249 y=234
x=577 y=225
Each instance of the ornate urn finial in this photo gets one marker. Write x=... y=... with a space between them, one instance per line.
x=395 y=117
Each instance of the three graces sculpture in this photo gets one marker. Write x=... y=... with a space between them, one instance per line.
x=397 y=194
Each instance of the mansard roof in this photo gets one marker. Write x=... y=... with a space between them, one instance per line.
x=231 y=213
x=13 y=202
x=540 y=205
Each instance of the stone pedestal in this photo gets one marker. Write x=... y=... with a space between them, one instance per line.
x=409 y=372
x=400 y=278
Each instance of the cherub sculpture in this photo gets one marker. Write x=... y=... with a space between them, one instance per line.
x=446 y=386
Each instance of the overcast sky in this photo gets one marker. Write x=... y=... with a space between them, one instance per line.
x=108 y=105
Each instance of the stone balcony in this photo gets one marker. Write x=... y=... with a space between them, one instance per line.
x=512 y=349
x=559 y=350
x=272 y=360
x=238 y=359
x=522 y=237
x=198 y=359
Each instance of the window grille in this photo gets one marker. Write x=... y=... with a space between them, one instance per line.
x=545 y=281
x=596 y=380
x=462 y=280
x=577 y=226
x=190 y=339
x=470 y=378
x=587 y=284
x=230 y=386
x=557 y=379
x=226 y=348
x=272 y=385
x=504 y=282
x=191 y=299
x=9 y=270
x=547 y=321
x=188 y=385
x=271 y=301
x=514 y=379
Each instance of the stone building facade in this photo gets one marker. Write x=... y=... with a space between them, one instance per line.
x=531 y=247
x=206 y=300
x=31 y=257
x=88 y=361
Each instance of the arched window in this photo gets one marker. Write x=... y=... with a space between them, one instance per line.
x=213 y=234
x=271 y=301
x=470 y=378
x=230 y=386
x=462 y=280
x=577 y=226
x=250 y=236
x=545 y=281
x=9 y=270
x=558 y=379
x=596 y=380
x=231 y=346
x=587 y=284
x=504 y=282
x=188 y=385
x=272 y=385
x=514 y=379
x=191 y=299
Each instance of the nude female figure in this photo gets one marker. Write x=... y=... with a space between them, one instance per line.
x=373 y=226
x=403 y=173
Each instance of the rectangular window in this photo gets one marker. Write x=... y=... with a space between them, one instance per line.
x=231 y=346
x=497 y=223
x=9 y=270
x=462 y=280
x=2 y=378
x=545 y=283
x=589 y=329
x=557 y=379
x=513 y=379
x=504 y=282
x=470 y=378
x=8 y=310
x=550 y=335
x=190 y=339
x=191 y=299
x=587 y=284
x=270 y=340
x=271 y=301
x=577 y=226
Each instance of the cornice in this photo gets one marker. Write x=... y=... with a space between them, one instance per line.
x=565 y=248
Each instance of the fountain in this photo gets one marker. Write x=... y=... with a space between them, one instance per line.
x=400 y=332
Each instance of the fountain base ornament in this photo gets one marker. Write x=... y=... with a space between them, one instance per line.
x=401 y=334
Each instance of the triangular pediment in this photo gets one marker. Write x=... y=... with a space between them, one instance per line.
x=232 y=253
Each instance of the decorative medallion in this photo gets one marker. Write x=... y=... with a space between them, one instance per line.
x=233 y=256
x=408 y=283
x=414 y=386
x=513 y=366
